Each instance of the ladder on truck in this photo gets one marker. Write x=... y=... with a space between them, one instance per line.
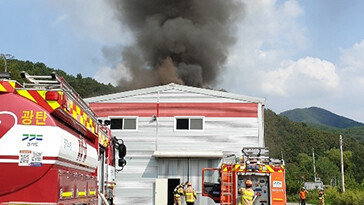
x=227 y=184
x=55 y=82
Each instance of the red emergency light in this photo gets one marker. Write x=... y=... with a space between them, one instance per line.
x=277 y=168
x=52 y=95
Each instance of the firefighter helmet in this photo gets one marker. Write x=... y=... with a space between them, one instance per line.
x=249 y=183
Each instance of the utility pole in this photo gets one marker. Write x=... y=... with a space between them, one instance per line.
x=342 y=164
x=5 y=64
x=314 y=164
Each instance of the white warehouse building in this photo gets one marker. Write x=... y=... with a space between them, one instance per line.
x=172 y=132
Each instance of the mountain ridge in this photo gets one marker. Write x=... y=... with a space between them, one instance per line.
x=320 y=116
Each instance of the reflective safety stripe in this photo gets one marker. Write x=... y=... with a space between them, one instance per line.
x=26 y=94
x=82 y=193
x=242 y=168
x=269 y=168
x=54 y=104
x=7 y=86
x=180 y=191
x=92 y=193
x=78 y=114
x=177 y=196
x=39 y=97
x=321 y=195
x=236 y=167
x=67 y=194
x=2 y=89
x=190 y=197
x=12 y=84
x=74 y=114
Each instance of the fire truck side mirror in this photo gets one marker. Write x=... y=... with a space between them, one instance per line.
x=122 y=150
x=121 y=162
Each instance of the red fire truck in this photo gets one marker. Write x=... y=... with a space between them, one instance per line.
x=268 y=177
x=53 y=150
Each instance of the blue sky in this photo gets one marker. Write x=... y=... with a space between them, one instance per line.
x=332 y=24
x=31 y=32
x=293 y=53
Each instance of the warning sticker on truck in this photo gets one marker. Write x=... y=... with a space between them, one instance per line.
x=37 y=159
x=277 y=184
x=30 y=158
x=24 y=157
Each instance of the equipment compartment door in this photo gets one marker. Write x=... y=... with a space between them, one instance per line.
x=260 y=187
x=278 y=188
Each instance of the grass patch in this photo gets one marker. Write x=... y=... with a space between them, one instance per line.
x=333 y=197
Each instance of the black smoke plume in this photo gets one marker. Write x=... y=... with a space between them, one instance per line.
x=179 y=41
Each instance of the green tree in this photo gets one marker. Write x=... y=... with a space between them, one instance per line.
x=305 y=166
x=334 y=156
x=327 y=170
x=293 y=180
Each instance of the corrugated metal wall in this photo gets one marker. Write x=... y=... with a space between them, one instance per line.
x=136 y=183
x=178 y=168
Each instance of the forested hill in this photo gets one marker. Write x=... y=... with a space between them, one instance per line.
x=295 y=141
x=316 y=115
x=86 y=87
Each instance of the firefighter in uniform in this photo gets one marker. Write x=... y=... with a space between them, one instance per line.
x=247 y=194
x=303 y=193
x=177 y=193
x=321 y=196
x=190 y=194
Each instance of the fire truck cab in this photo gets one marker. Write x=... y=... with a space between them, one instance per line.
x=53 y=150
x=268 y=176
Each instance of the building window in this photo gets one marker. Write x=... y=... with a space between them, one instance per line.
x=124 y=123
x=182 y=124
x=116 y=124
x=189 y=123
x=196 y=124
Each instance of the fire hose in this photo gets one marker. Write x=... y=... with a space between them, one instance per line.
x=103 y=198
x=255 y=197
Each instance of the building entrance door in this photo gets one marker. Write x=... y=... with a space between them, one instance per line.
x=172 y=183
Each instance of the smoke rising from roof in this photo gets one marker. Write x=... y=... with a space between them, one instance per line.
x=179 y=41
